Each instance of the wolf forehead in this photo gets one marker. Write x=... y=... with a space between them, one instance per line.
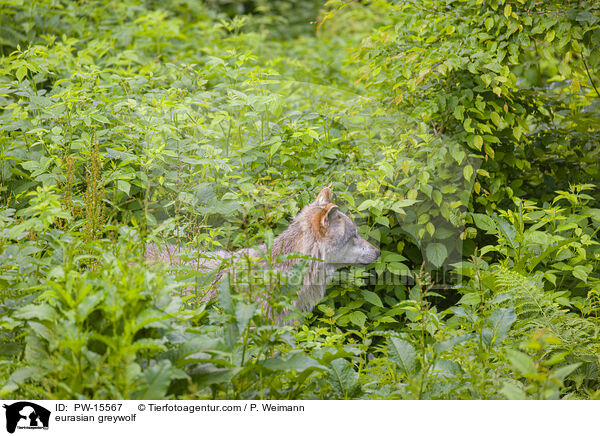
x=326 y=219
x=342 y=225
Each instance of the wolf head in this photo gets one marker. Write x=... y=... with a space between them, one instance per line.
x=322 y=230
x=339 y=236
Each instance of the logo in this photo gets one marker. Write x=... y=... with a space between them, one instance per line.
x=26 y=415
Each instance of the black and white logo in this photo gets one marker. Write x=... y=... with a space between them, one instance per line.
x=26 y=415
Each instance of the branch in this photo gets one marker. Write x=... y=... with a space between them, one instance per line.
x=589 y=75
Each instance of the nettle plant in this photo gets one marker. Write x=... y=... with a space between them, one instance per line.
x=560 y=240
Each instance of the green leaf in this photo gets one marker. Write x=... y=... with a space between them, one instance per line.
x=563 y=372
x=343 y=378
x=297 y=362
x=225 y=300
x=484 y=222
x=403 y=353
x=521 y=362
x=123 y=186
x=517 y=132
x=365 y=205
x=274 y=147
x=459 y=112
x=357 y=318
x=507 y=231
x=468 y=172
x=513 y=392
x=244 y=313
x=100 y=118
x=399 y=268
x=581 y=272
x=88 y=304
x=593 y=213
x=231 y=332
x=390 y=256
x=21 y=375
x=465 y=312
x=156 y=379
x=496 y=119
x=448 y=344
x=403 y=203
x=548 y=251
x=430 y=228
x=21 y=73
x=498 y=326
x=42 y=312
x=208 y=374
x=436 y=253
x=445 y=368
x=372 y=298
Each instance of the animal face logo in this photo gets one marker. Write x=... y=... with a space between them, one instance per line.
x=26 y=415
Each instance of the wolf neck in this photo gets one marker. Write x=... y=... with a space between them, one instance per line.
x=295 y=239
x=300 y=238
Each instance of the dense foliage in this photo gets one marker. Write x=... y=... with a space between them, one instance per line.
x=462 y=136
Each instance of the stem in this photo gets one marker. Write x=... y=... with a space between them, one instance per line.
x=590 y=76
x=245 y=345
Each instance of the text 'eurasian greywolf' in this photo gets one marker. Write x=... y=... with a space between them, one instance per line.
x=320 y=230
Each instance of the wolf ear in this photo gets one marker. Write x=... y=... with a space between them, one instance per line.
x=324 y=196
x=322 y=219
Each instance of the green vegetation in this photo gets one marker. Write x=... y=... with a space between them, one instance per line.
x=462 y=136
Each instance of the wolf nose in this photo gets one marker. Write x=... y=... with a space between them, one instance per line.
x=377 y=253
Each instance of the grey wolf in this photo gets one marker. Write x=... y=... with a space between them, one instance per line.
x=320 y=230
